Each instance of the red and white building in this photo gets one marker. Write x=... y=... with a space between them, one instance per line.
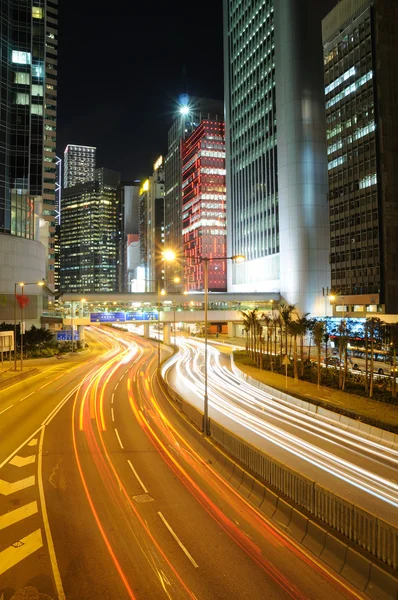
x=204 y=206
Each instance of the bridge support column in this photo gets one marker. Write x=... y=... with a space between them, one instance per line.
x=166 y=332
x=231 y=329
x=146 y=330
x=82 y=337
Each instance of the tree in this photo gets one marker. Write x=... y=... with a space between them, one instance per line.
x=326 y=336
x=390 y=335
x=374 y=328
x=285 y=312
x=319 y=335
x=250 y=320
x=294 y=330
x=303 y=324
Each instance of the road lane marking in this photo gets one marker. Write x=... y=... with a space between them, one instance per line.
x=113 y=396
x=179 y=542
x=119 y=440
x=138 y=477
x=22 y=461
x=8 y=407
x=116 y=385
x=113 y=414
x=33 y=442
x=50 y=543
x=31 y=394
x=7 y=488
x=23 y=512
x=22 y=549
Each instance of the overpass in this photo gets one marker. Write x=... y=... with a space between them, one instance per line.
x=171 y=308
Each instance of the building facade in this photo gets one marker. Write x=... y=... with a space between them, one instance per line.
x=275 y=149
x=190 y=114
x=89 y=235
x=361 y=82
x=128 y=202
x=79 y=164
x=204 y=227
x=151 y=216
x=28 y=75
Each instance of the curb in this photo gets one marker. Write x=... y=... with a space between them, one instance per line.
x=20 y=377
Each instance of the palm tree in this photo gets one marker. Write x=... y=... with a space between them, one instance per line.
x=285 y=312
x=266 y=319
x=390 y=331
x=374 y=333
x=276 y=325
x=319 y=336
x=326 y=337
x=294 y=330
x=303 y=327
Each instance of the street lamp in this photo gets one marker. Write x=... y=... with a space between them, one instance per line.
x=22 y=285
x=169 y=256
x=237 y=258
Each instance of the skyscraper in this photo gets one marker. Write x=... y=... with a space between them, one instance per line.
x=361 y=82
x=203 y=206
x=152 y=226
x=28 y=66
x=191 y=112
x=128 y=203
x=89 y=235
x=79 y=164
x=276 y=157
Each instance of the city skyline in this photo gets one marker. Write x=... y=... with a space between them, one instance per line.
x=135 y=122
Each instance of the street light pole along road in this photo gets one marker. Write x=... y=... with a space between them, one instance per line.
x=22 y=285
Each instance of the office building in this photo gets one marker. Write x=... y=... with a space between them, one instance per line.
x=191 y=112
x=203 y=206
x=79 y=164
x=361 y=83
x=151 y=215
x=28 y=75
x=89 y=235
x=128 y=203
x=277 y=210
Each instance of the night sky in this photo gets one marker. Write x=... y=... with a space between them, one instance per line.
x=122 y=66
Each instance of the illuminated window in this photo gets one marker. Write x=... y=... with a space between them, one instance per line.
x=21 y=58
x=36 y=109
x=23 y=78
x=37 y=90
x=37 y=12
x=359 y=308
x=22 y=99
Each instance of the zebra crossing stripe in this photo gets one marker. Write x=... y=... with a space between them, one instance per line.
x=13 y=516
x=7 y=488
x=22 y=461
x=23 y=548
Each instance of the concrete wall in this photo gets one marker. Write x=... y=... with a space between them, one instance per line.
x=21 y=260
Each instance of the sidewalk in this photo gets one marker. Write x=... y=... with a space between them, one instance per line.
x=373 y=412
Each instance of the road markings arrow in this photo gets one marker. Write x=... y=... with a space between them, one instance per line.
x=32 y=443
x=7 y=488
x=22 y=461
x=22 y=549
x=17 y=515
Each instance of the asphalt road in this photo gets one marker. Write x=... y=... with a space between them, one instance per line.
x=129 y=508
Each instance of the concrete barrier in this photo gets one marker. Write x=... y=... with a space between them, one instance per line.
x=257 y=493
x=237 y=476
x=246 y=486
x=193 y=414
x=269 y=504
x=283 y=513
x=381 y=585
x=356 y=569
x=298 y=525
x=315 y=538
x=334 y=553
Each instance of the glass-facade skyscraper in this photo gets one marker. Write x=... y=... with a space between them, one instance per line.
x=79 y=164
x=276 y=157
x=90 y=235
x=27 y=141
x=361 y=82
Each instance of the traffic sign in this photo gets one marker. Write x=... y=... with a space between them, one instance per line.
x=66 y=336
x=286 y=361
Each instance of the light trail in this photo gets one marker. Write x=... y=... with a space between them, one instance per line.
x=251 y=407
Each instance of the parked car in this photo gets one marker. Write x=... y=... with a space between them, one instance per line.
x=333 y=361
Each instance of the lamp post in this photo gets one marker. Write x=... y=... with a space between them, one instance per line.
x=169 y=256
x=205 y=259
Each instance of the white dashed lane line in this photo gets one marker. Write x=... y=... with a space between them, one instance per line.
x=113 y=414
x=138 y=477
x=8 y=407
x=118 y=438
x=179 y=542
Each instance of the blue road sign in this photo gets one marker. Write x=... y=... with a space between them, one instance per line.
x=66 y=336
x=111 y=317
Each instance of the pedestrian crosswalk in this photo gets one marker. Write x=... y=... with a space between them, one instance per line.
x=20 y=521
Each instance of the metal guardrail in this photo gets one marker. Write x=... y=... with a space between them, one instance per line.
x=374 y=535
